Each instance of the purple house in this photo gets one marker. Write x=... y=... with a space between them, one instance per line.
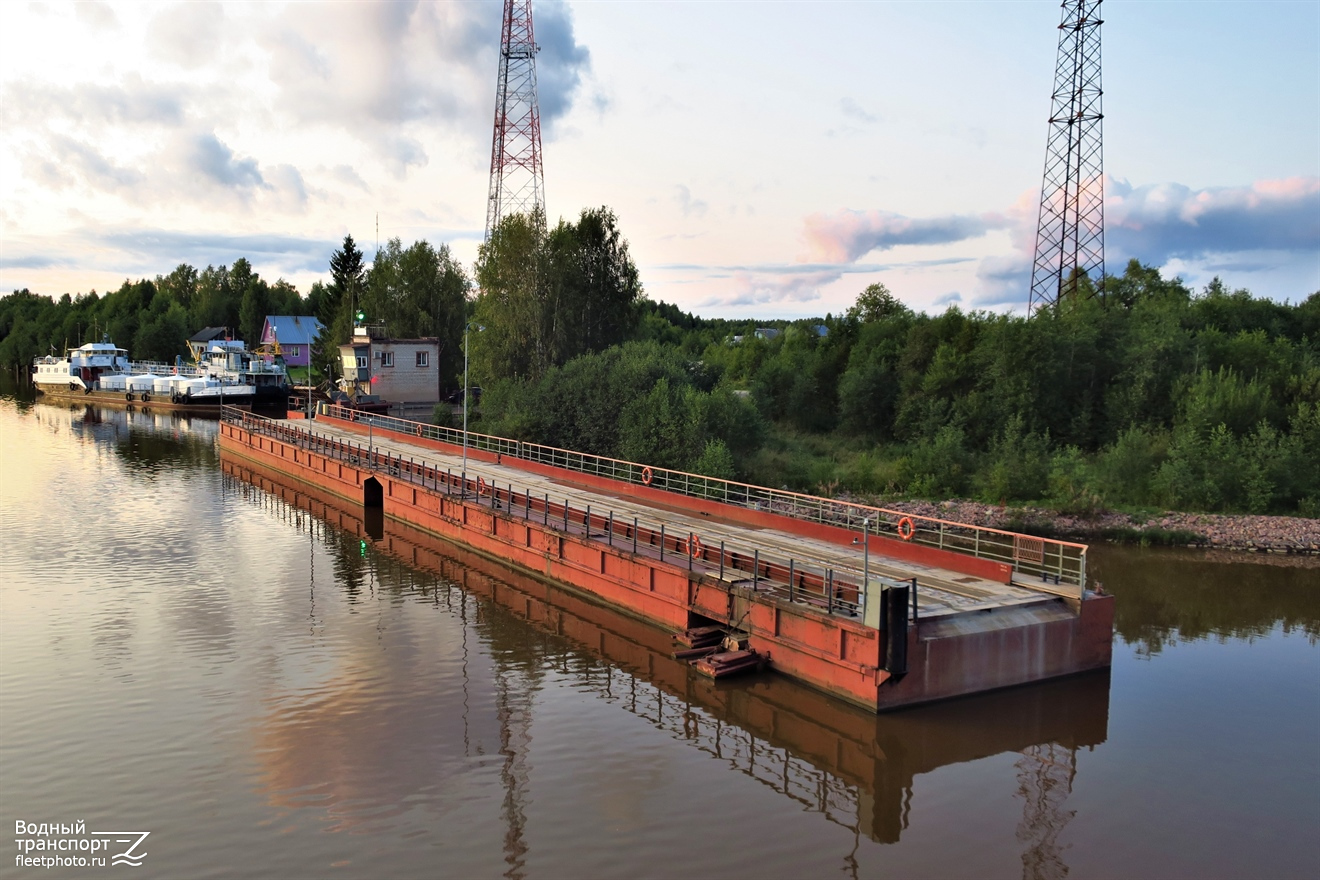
x=295 y=335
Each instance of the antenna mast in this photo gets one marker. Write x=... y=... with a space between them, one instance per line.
x=516 y=181
x=1070 y=231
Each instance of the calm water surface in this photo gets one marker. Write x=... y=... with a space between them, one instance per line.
x=273 y=687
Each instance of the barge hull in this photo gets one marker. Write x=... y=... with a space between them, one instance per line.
x=839 y=655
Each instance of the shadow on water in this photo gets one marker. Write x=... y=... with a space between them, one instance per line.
x=854 y=768
x=1165 y=596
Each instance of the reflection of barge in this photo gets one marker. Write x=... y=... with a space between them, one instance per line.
x=853 y=767
x=101 y=373
x=833 y=606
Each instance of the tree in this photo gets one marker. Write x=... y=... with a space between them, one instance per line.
x=876 y=303
x=548 y=297
x=420 y=292
x=253 y=300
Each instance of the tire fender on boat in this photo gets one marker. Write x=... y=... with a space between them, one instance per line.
x=129 y=397
x=146 y=398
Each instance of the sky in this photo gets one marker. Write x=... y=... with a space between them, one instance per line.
x=764 y=160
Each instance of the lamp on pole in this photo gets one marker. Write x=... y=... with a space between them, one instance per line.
x=470 y=325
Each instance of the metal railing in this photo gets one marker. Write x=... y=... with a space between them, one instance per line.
x=834 y=591
x=1055 y=565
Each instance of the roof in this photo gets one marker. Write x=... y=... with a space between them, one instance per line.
x=209 y=334
x=291 y=329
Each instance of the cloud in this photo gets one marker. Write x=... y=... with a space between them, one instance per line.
x=168 y=247
x=849 y=235
x=346 y=175
x=132 y=101
x=135 y=251
x=96 y=15
x=561 y=62
x=363 y=65
x=190 y=35
x=852 y=110
x=206 y=155
x=63 y=162
x=757 y=289
x=688 y=205
x=1156 y=222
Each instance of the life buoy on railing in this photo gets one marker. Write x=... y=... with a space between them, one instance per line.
x=481 y=486
x=905 y=528
x=695 y=547
x=646 y=476
x=419 y=429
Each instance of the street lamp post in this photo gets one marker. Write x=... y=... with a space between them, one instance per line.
x=866 y=564
x=466 y=327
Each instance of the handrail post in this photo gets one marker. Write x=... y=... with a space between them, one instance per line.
x=662 y=542
x=791 y=563
x=721 y=560
x=756 y=568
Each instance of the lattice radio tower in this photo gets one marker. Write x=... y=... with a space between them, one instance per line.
x=1070 y=232
x=516 y=181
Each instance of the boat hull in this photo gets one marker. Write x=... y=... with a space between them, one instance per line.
x=209 y=405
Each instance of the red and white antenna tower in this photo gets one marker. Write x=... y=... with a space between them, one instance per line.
x=517 y=184
x=1070 y=232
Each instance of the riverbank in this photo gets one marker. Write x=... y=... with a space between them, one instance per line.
x=1260 y=534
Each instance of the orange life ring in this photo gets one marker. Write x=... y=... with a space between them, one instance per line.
x=695 y=547
x=481 y=486
x=419 y=429
x=646 y=476
x=906 y=529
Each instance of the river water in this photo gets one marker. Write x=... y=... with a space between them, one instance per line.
x=274 y=687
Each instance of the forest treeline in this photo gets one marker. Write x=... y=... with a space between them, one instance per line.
x=1157 y=396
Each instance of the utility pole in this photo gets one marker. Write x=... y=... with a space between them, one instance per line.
x=517 y=185
x=1070 y=230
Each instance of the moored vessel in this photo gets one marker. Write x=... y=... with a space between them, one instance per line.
x=226 y=374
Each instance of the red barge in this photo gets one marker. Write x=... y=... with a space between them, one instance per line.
x=874 y=606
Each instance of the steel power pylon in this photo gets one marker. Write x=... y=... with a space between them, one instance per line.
x=1070 y=231
x=516 y=181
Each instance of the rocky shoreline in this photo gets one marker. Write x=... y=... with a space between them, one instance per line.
x=1259 y=534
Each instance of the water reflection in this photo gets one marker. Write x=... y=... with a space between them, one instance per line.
x=854 y=769
x=148 y=442
x=1167 y=596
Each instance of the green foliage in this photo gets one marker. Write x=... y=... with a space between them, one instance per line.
x=1157 y=396
x=876 y=303
x=940 y=468
x=547 y=297
x=443 y=415
x=420 y=291
x=1017 y=466
x=715 y=461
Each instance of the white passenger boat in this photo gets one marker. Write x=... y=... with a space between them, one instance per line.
x=227 y=375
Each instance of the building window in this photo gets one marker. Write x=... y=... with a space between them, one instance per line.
x=362 y=361
x=387 y=358
x=423 y=359
x=293 y=351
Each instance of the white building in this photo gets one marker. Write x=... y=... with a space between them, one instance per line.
x=396 y=370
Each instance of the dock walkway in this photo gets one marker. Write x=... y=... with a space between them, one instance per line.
x=940 y=592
